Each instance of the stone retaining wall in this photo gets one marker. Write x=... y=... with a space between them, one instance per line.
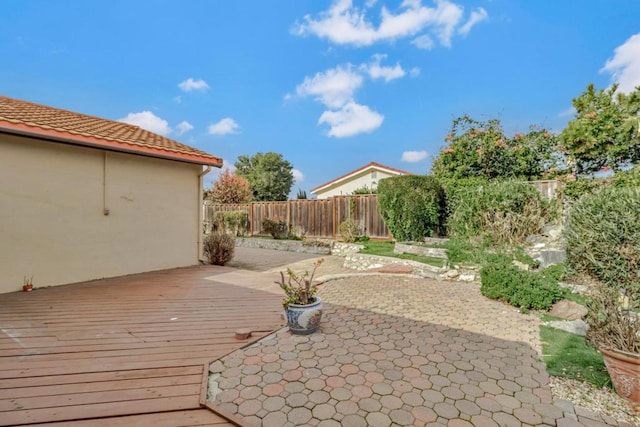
x=410 y=248
x=363 y=262
x=344 y=249
x=299 y=246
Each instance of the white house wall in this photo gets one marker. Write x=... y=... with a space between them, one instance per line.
x=53 y=224
x=349 y=186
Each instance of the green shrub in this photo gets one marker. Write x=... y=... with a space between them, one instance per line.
x=411 y=206
x=277 y=229
x=219 y=248
x=573 y=190
x=235 y=223
x=603 y=241
x=556 y=271
x=520 y=288
x=628 y=178
x=498 y=213
x=603 y=236
x=349 y=230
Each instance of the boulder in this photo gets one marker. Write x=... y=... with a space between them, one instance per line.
x=568 y=310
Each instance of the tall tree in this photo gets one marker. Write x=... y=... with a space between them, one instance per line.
x=605 y=132
x=230 y=188
x=269 y=175
x=478 y=149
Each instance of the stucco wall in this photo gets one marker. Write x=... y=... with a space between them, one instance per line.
x=52 y=222
x=348 y=187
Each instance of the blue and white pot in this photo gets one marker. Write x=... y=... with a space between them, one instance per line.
x=304 y=319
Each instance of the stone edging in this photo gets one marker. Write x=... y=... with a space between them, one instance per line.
x=407 y=247
x=283 y=245
x=365 y=262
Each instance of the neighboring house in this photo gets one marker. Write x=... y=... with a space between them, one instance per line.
x=366 y=176
x=83 y=198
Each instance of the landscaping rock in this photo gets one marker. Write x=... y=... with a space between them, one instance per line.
x=552 y=256
x=568 y=310
x=578 y=326
x=520 y=265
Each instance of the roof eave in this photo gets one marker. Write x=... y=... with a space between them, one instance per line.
x=338 y=181
x=105 y=144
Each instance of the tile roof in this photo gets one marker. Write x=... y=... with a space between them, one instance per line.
x=41 y=121
x=372 y=165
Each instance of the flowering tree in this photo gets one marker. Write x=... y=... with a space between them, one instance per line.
x=482 y=150
x=230 y=188
x=605 y=132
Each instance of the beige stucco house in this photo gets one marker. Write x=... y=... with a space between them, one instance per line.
x=84 y=198
x=367 y=176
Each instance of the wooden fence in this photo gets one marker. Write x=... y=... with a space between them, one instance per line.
x=322 y=218
x=313 y=218
x=547 y=188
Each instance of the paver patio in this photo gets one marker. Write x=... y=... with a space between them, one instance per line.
x=400 y=351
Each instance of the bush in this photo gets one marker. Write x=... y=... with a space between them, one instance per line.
x=277 y=229
x=557 y=272
x=349 y=231
x=235 y=223
x=603 y=241
x=520 y=288
x=219 y=248
x=603 y=236
x=573 y=190
x=628 y=178
x=411 y=206
x=498 y=213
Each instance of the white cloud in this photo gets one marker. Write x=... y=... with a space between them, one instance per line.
x=413 y=156
x=568 y=112
x=423 y=42
x=184 y=127
x=625 y=65
x=149 y=121
x=477 y=15
x=224 y=127
x=350 y=120
x=177 y=99
x=377 y=71
x=191 y=84
x=414 y=72
x=333 y=88
x=298 y=176
x=344 y=23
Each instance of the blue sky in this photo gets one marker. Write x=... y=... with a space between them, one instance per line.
x=331 y=85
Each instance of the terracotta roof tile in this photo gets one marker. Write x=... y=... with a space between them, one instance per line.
x=44 y=121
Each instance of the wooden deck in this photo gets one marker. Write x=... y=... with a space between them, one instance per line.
x=107 y=351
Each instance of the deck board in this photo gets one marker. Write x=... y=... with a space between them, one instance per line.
x=123 y=351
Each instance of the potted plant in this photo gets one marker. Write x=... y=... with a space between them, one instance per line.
x=302 y=307
x=603 y=241
x=27 y=284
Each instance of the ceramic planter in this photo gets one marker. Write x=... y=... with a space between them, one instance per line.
x=304 y=319
x=624 y=370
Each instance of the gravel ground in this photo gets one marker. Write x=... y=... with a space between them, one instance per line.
x=595 y=399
